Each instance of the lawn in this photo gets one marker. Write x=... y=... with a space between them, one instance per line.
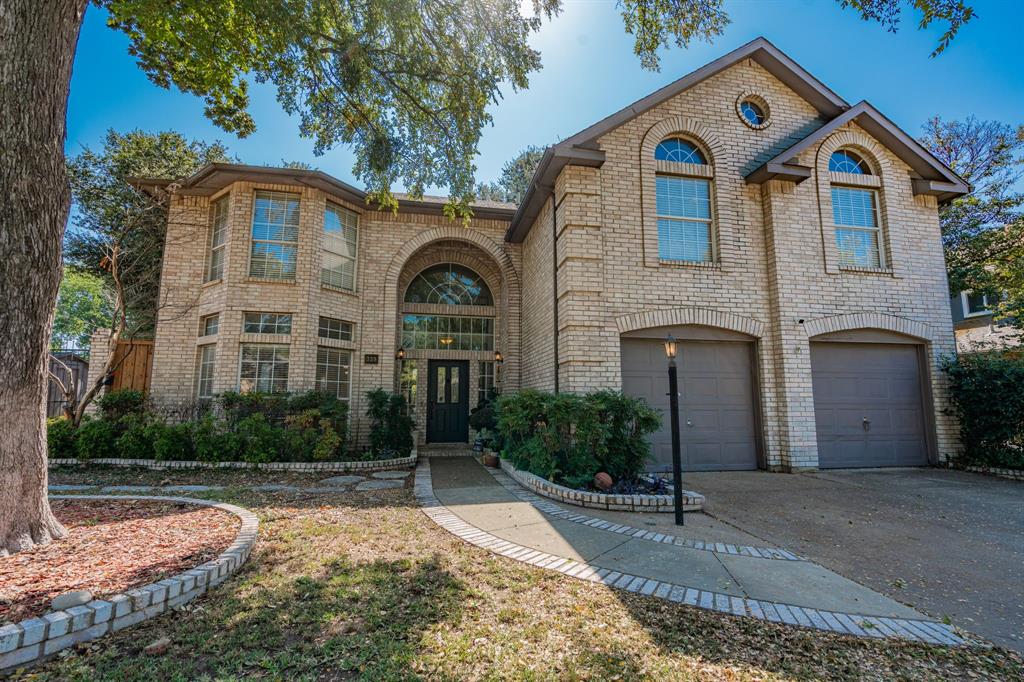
x=364 y=586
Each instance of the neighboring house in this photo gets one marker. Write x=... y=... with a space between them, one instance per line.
x=975 y=326
x=789 y=239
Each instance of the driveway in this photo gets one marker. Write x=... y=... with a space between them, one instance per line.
x=947 y=543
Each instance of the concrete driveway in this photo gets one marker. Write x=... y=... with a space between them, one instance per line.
x=947 y=543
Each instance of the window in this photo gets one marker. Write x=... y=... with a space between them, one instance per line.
x=275 y=236
x=485 y=382
x=684 y=218
x=264 y=368
x=679 y=151
x=341 y=231
x=267 y=323
x=855 y=214
x=331 y=328
x=447 y=332
x=204 y=371
x=752 y=113
x=448 y=284
x=209 y=325
x=977 y=304
x=218 y=239
x=334 y=371
x=407 y=379
x=845 y=161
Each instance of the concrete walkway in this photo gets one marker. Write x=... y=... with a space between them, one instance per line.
x=705 y=564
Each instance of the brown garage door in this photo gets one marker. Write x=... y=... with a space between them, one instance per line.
x=716 y=415
x=867 y=405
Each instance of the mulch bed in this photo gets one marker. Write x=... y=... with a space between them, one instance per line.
x=111 y=546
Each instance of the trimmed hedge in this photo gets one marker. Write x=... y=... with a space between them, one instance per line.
x=250 y=427
x=988 y=395
x=568 y=438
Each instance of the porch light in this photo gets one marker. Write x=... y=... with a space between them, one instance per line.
x=400 y=355
x=447 y=340
x=498 y=357
x=670 y=347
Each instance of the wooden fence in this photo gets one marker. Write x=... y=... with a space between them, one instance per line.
x=79 y=366
x=134 y=363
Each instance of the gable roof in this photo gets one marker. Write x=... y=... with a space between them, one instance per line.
x=213 y=177
x=580 y=149
x=935 y=177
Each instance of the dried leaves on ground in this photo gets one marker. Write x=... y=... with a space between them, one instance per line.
x=111 y=546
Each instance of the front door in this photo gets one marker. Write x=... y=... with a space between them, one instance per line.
x=448 y=401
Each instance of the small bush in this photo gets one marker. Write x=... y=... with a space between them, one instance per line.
x=116 y=405
x=212 y=442
x=987 y=391
x=391 y=426
x=258 y=441
x=60 y=438
x=95 y=439
x=136 y=439
x=569 y=438
x=171 y=442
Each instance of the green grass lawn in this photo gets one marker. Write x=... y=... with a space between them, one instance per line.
x=364 y=586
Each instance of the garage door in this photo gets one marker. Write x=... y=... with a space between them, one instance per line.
x=716 y=415
x=867 y=405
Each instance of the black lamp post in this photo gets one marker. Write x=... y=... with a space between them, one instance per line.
x=673 y=401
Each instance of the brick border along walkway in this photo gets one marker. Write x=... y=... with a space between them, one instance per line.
x=357 y=465
x=832 y=621
x=36 y=639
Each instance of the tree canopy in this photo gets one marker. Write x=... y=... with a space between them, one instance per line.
x=83 y=305
x=515 y=177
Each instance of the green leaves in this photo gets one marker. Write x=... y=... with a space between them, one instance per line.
x=657 y=24
x=988 y=394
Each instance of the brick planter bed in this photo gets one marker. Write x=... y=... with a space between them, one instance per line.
x=158 y=464
x=32 y=640
x=640 y=503
x=1011 y=474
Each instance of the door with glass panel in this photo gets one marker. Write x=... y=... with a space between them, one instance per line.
x=448 y=401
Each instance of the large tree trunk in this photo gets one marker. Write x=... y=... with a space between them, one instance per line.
x=37 y=47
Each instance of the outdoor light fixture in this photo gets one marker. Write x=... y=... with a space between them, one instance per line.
x=400 y=354
x=447 y=340
x=498 y=357
x=673 y=401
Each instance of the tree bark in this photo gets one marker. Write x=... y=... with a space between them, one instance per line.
x=37 y=47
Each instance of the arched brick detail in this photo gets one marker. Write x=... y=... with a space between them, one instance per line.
x=705 y=317
x=452 y=252
x=708 y=142
x=881 y=166
x=890 y=323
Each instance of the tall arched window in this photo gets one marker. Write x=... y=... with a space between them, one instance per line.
x=448 y=284
x=683 y=204
x=855 y=214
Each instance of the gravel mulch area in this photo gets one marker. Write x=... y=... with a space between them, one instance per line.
x=111 y=546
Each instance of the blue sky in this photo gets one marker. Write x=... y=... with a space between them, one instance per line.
x=590 y=71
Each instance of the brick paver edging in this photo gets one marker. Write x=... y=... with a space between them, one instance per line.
x=844 y=623
x=551 y=509
x=1011 y=474
x=368 y=465
x=36 y=639
x=612 y=501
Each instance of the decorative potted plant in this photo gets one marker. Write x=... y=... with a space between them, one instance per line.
x=484 y=419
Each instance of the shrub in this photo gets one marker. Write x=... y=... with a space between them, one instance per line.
x=391 y=426
x=118 y=404
x=171 y=442
x=136 y=439
x=569 y=438
x=60 y=438
x=258 y=440
x=987 y=391
x=95 y=439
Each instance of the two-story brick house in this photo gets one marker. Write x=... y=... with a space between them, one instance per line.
x=788 y=239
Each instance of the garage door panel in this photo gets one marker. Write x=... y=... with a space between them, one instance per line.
x=880 y=382
x=716 y=395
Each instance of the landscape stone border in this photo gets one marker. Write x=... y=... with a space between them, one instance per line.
x=1011 y=474
x=611 y=501
x=158 y=464
x=926 y=631
x=36 y=639
x=551 y=509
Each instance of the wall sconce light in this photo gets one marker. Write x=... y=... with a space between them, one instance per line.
x=400 y=354
x=498 y=357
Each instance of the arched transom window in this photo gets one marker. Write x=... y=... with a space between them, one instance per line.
x=683 y=205
x=448 y=284
x=845 y=161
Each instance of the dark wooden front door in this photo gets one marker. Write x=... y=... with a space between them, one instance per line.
x=448 y=401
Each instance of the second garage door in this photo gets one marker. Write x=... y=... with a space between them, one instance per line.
x=717 y=424
x=868 y=405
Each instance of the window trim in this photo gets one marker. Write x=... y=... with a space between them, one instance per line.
x=711 y=221
x=320 y=328
x=965 y=305
x=277 y=322
x=351 y=369
x=204 y=322
x=323 y=248
x=879 y=228
x=200 y=352
x=211 y=247
x=253 y=240
x=241 y=351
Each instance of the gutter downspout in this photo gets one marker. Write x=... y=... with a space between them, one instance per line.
x=554 y=278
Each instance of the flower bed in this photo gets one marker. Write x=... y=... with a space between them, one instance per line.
x=640 y=503
x=367 y=465
x=33 y=640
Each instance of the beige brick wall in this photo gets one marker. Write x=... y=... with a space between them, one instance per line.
x=389 y=245
x=776 y=256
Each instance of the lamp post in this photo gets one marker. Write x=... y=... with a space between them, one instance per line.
x=673 y=401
